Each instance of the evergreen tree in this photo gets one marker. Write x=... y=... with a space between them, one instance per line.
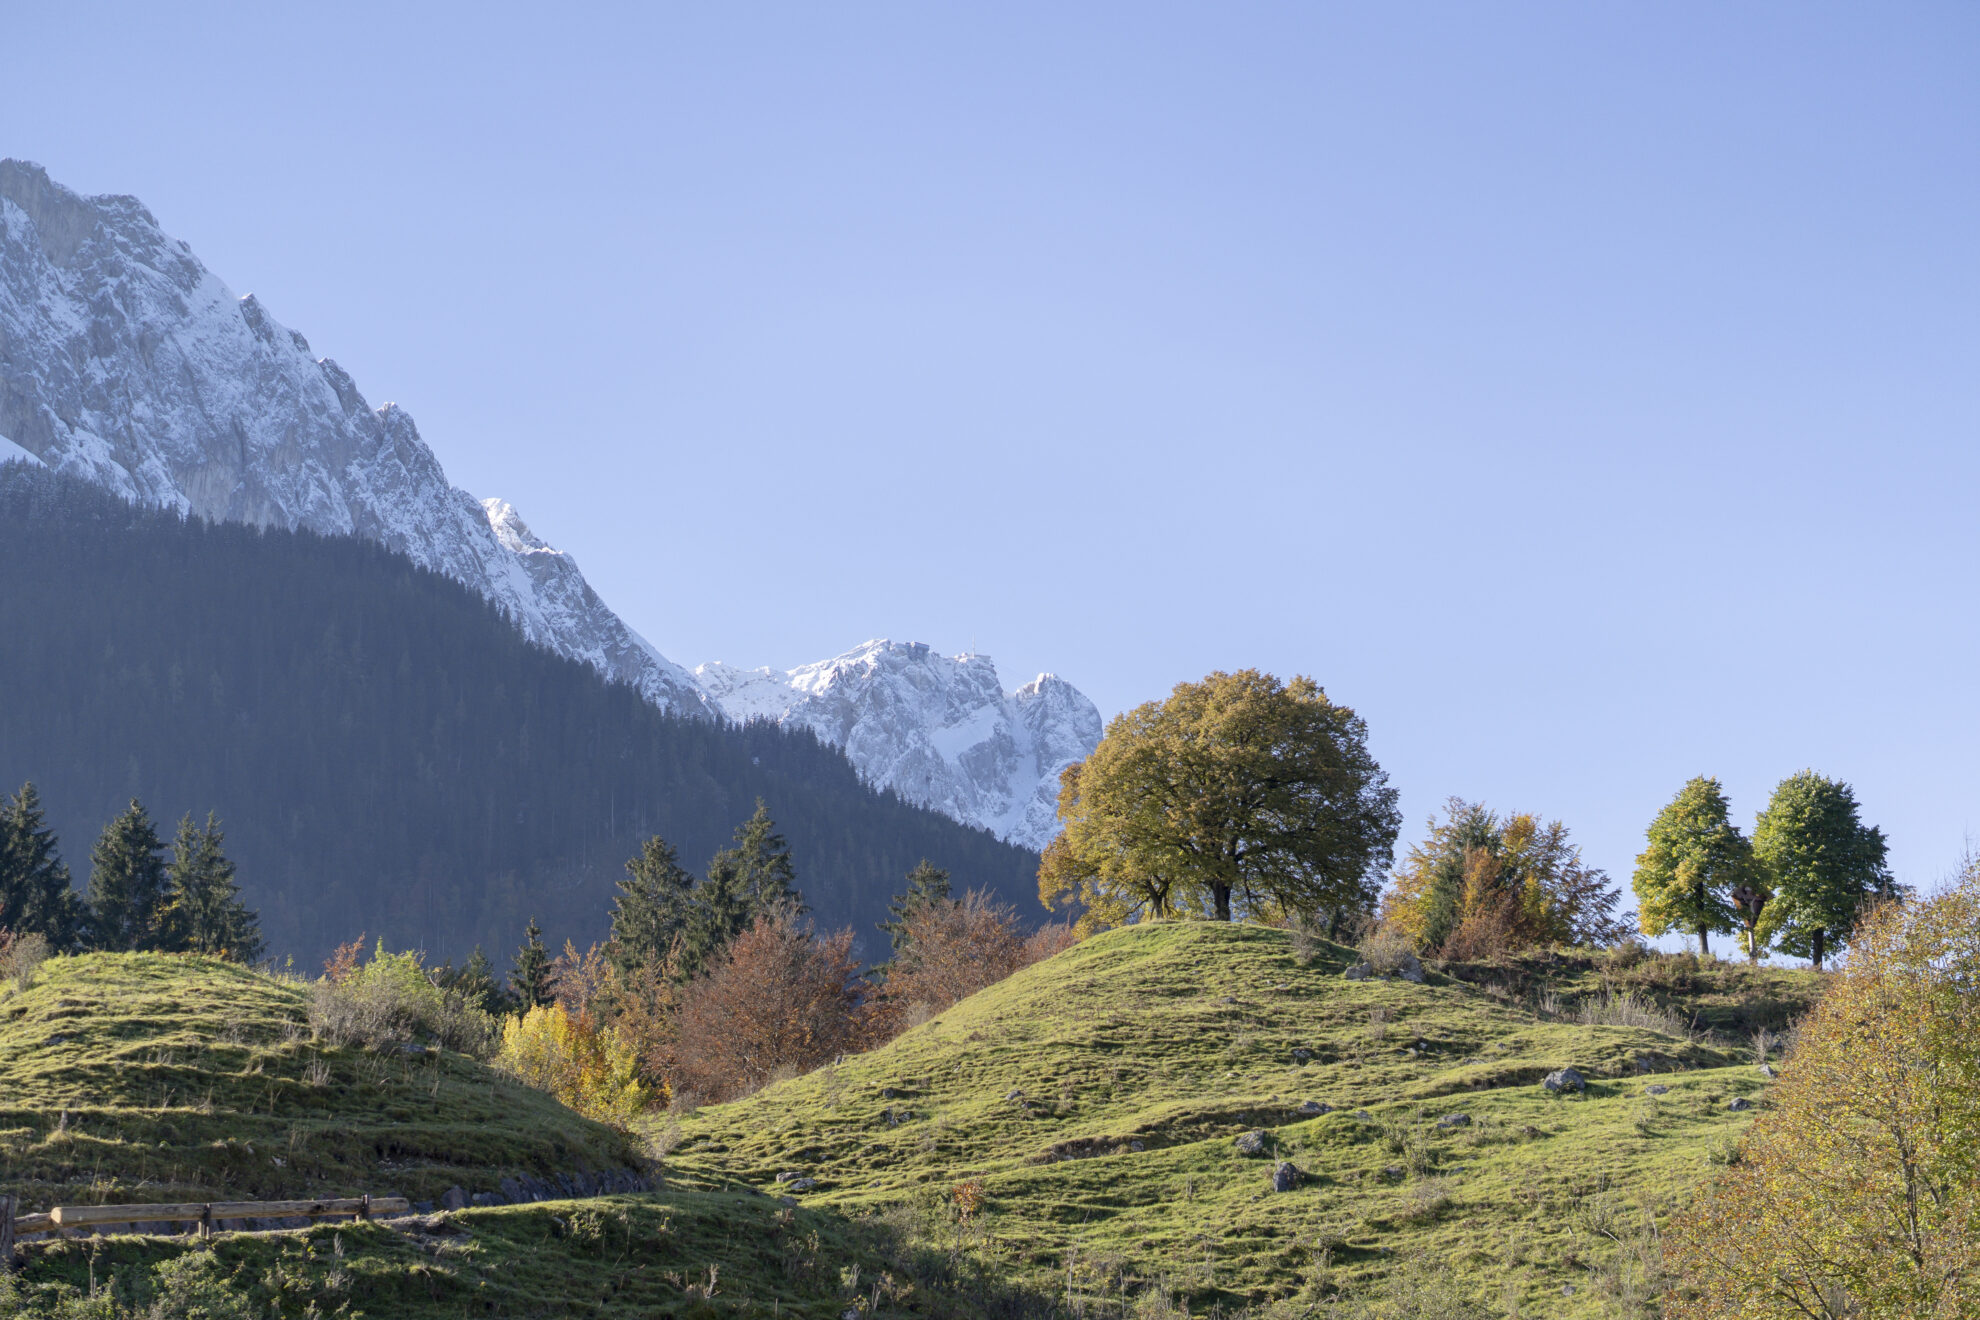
x=926 y=883
x=758 y=870
x=203 y=912
x=1696 y=857
x=529 y=982
x=126 y=883
x=1825 y=863
x=474 y=981
x=35 y=895
x=655 y=904
x=744 y=882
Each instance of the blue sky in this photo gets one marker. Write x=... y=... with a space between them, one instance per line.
x=1587 y=393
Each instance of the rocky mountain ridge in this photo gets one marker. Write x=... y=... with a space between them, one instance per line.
x=125 y=361
x=939 y=730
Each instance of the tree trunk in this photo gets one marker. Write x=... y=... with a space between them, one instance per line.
x=1222 y=893
x=1704 y=944
x=1817 y=959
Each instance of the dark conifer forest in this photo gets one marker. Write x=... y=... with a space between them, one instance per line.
x=386 y=752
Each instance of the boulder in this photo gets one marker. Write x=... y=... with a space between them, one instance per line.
x=1285 y=1176
x=1767 y=1071
x=1411 y=969
x=1659 y=1089
x=1739 y=1102
x=1312 y=1107
x=1302 y=1054
x=1361 y=971
x=453 y=1199
x=1251 y=1143
x=1454 y=1121
x=802 y=1184
x=1565 y=1079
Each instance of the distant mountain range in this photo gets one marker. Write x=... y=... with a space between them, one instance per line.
x=124 y=361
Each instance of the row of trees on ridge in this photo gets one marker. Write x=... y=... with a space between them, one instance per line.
x=137 y=899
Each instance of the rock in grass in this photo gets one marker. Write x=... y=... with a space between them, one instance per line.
x=1251 y=1143
x=1565 y=1079
x=802 y=1184
x=1361 y=971
x=1659 y=1089
x=1411 y=969
x=1454 y=1121
x=1285 y=1176
x=1302 y=1054
x=1767 y=1071
x=1310 y=1107
x=454 y=1199
x=1739 y=1102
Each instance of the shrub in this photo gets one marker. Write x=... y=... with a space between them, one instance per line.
x=1385 y=949
x=778 y=998
x=391 y=999
x=21 y=956
x=1624 y=1009
x=1858 y=1191
x=587 y=1066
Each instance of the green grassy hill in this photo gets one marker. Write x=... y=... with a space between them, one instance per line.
x=1097 y=1098
x=147 y=1077
x=1091 y=1102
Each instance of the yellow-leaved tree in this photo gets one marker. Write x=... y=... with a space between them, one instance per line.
x=569 y=1054
x=1857 y=1192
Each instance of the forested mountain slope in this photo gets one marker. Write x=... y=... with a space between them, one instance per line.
x=387 y=753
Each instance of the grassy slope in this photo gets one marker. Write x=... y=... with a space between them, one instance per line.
x=138 y=1077
x=1176 y=1037
x=143 y=1077
x=1180 y=1037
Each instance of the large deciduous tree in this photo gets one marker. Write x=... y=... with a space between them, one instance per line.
x=35 y=895
x=1695 y=859
x=1238 y=795
x=126 y=883
x=1824 y=862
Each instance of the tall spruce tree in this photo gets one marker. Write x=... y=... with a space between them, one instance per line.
x=529 y=982
x=126 y=883
x=35 y=894
x=926 y=883
x=1695 y=859
x=753 y=877
x=203 y=912
x=655 y=904
x=1825 y=863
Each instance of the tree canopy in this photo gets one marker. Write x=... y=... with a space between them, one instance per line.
x=1695 y=858
x=1824 y=863
x=1481 y=884
x=202 y=911
x=1237 y=795
x=126 y=883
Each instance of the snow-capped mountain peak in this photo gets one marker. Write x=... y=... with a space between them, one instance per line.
x=125 y=361
x=939 y=730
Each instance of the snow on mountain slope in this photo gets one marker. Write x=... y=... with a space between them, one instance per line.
x=938 y=730
x=125 y=361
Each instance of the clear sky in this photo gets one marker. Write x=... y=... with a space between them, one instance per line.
x=1587 y=393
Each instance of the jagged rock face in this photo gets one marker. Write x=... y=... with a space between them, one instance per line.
x=125 y=361
x=938 y=730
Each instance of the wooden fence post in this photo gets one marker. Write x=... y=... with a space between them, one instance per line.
x=6 y=1232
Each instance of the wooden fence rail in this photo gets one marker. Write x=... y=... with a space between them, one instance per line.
x=205 y=1213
